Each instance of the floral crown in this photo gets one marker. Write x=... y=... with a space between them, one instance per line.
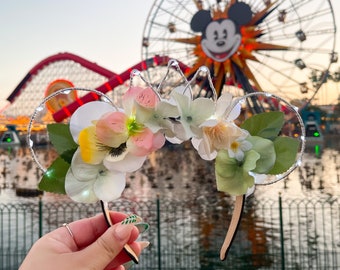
x=103 y=142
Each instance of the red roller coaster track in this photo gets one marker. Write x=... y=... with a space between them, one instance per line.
x=113 y=82
x=114 y=79
x=54 y=58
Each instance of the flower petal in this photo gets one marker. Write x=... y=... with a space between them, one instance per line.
x=234 y=113
x=141 y=143
x=144 y=115
x=259 y=178
x=231 y=175
x=266 y=150
x=83 y=171
x=89 y=146
x=147 y=98
x=204 y=148
x=158 y=141
x=111 y=129
x=129 y=98
x=144 y=143
x=223 y=102
x=210 y=123
x=109 y=185
x=129 y=163
x=174 y=140
x=166 y=109
x=201 y=110
x=132 y=93
x=79 y=191
x=85 y=114
x=183 y=101
x=183 y=89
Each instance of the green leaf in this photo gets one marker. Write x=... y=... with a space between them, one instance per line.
x=265 y=148
x=233 y=176
x=266 y=125
x=61 y=137
x=54 y=178
x=68 y=154
x=286 y=149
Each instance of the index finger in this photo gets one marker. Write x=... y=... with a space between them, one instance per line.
x=87 y=230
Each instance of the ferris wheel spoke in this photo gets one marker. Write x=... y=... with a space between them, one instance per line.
x=184 y=32
x=326 y=34
x=310 y=51
x=173 y=9
x=293 y=64
x=183 y=7
x=297 y=21
x=277 y=59
x=171 y=48
x=289 y=92
x=279 y=71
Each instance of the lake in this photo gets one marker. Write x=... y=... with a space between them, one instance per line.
x=178 y=172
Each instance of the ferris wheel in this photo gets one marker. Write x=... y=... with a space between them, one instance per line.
x=285 y=47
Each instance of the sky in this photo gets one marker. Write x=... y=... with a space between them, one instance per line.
x=108 y=32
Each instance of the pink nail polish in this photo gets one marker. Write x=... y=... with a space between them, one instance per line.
x=123 y=231
x=144 y=244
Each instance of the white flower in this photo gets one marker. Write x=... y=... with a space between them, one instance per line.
x=219 y=131
x=192 y=113
x=238 y=147
x=89 y=183
x=158 y=118
x=85 y=114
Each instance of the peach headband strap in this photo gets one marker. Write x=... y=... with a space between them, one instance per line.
x=235 y=221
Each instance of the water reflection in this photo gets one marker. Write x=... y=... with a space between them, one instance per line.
x=178 y=172
x=318 y=175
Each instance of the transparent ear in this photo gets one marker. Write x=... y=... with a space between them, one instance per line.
x=165 y=83
x=41 y=112
x=203 y=71
x=293 y=126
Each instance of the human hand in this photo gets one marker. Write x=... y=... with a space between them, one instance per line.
x=92 y=245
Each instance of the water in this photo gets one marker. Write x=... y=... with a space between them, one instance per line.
x=177 y=173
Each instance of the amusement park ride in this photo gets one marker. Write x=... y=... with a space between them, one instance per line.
x=281 y=47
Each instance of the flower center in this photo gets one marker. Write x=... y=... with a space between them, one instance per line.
x=133 y=126
x=189 y=118
x=218 y=135
x=234 y=146
x=115 y=152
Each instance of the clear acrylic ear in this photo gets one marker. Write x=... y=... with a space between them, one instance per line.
x=293 y=126
x=41 y=112
x=166 y=79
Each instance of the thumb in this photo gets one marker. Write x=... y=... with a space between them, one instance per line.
x=101 y=252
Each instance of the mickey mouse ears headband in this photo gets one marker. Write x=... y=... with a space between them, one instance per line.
x=103 y=142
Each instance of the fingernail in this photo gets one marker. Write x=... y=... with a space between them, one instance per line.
x=137 y=221
x=132 y=219
x=128 y=265
x=144 y=244
x=123 y=231
x=142 y=226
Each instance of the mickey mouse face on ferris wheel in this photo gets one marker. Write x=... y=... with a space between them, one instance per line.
x=221 y=38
